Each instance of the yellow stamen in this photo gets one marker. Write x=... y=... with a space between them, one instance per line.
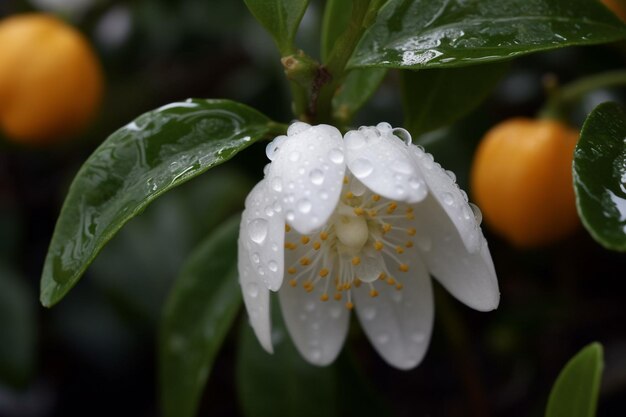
x=392 y=207
x=293 y=282
x=404 y=267
x=411 y=231
x=349 y=194
x=359 y=211
x=375 y=197
x=399 y=286
x=356 y=260
x=304 y=240
x=347 y=286
x=305 y=261
x=287 y=228
x=349 y=305
x=373 y=293
x=324 y=297
x=292 y=270
x=345 y=180
x=323 y=235
x=317 y=246
x=409 y=244
x=382 y=276
x=391 y=281
x=290 y=245
x=386 y=228
x=337 y=296
x=323 y=272
x=399 y=249
x=357 y=282
x=378 y=245
x=372 y=213
x=410 y=216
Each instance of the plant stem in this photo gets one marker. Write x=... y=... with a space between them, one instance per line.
x=557 y=105
x=339 y=56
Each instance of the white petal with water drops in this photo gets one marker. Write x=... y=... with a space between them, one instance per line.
x=442 y=185
x=306 y=174
x=317 y=328
x=399 y=323
x=469 y=276
x=263 y=235
x=255 y=297
x=384 y=164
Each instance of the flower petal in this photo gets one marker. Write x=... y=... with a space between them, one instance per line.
x=317 y=328
x=384 y=163
x=469 y=276
x=306 y=174
x=263 y=235
x=255 y=296
x=398 y=323
x=442 y=185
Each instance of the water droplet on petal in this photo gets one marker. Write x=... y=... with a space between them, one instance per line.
x=316 y=176
x=467 y=213
x=323 y=195
x=297 y=127
x=361 y=168
x=256 y=258
x=382 y=338
x=383 y=127
x=257 y=230
x=424 y=243
x=478 y=215
x=290 y=216
x=335 y=155
x=277 y=184
x=310 y=306
x=415 y=183
x=354 y=140
x=335 y=312
x=316 y=355
x=447 y=199
x=418 y=337
x=403 y=134
x=252 y=289
x=294 y=156
x=269 y=211
x=273 y=266
x=451 y=174
x=304 y=206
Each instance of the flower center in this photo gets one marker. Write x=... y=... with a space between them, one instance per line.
x=366 y=243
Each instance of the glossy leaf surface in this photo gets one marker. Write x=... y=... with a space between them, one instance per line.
x=280 y=18
x=430 y=33
x=437 y=97
x=282 y=384
x=199 y=312
x=600 y=175
x=151 y=155
x=575 y=392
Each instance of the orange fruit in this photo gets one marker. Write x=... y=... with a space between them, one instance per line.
x=617 y=6
x=522 y=181
x=50 y=79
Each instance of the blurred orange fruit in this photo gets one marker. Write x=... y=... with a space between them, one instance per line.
x=617 y=6
x=522 y=181
x=50 y=79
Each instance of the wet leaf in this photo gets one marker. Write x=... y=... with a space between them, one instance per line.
x=575 y=392
x=199 y=312
x=600 y=175
x=438 y=97
x=431 y=33
x=280 y=18
x=282 y=384
x=146 y=158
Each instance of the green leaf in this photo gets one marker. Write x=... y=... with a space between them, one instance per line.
x=151 y=155
x=600 y=175
x=282 y=384
x=280 y=18
x=431 y=33
x=336 y=19
x=356 y=90
x=18 y=328
x=438 y=97
x=199 y=312
x=575 y=392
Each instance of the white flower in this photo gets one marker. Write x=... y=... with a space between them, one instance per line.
x=358 y=222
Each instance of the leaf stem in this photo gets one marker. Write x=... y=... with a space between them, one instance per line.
x=563 y=98
x=363 y=14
